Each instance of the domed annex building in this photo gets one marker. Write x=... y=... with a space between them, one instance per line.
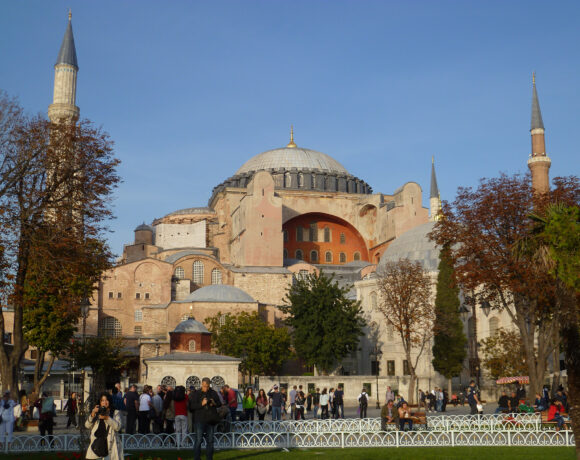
x=283 y=213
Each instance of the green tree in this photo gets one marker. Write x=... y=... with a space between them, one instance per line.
x=261 y=347
x=449 y=340
x=326 y=324
x=504 y=354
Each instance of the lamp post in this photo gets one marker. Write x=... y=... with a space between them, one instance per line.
x=376 y=353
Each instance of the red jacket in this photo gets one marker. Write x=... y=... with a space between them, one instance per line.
x=232 y=400
x=180 y=407
x=553 y=410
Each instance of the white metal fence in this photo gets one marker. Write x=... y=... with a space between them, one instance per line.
x=443 y=431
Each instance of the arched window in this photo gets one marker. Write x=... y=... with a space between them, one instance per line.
x=300 y=180
x=373 y=297
x=192 y=345
x=299 y=235
x=302 y=274
x=216 y=276
x=313 y=232
x=198 y=272
x=169 y=381
x=179 y=273
x=313 y=180
x=287 y=180
x=342 y=257
x=314 y=257
x=285 y=253
x=193 y=381
x=326 y=235
x=493 y=326
x=217 y=382
x=342 y=238
x=328 y=257
x=356 y=256
x=298 y=254
x=110 y=327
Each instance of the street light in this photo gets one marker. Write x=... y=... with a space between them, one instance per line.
x=486 y=308
x=377 y=353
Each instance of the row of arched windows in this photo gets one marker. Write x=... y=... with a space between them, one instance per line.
x=198 y=273
x=328 y=256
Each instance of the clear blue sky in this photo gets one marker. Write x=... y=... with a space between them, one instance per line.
x=191 y=90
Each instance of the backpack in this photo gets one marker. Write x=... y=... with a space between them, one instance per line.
x=47 y=406
x=179 y=393
x=364 y=401
x=118 y=402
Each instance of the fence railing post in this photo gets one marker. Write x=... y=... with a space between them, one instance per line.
x=397 y=438
x=342 y=439
x=452 y=438
x=509 y=433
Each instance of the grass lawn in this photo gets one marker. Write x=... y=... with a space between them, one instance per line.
x=392 y=453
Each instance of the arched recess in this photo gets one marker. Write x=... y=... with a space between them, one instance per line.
x=344 y=238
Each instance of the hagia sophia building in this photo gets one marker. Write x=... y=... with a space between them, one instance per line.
x=285 y=212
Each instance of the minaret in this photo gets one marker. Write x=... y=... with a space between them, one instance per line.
x=434 y=199
x=539 y=163
x=63 y=106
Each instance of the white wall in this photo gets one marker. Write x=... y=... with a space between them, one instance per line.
x=172 y=236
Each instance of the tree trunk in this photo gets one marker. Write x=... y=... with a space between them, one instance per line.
x=39 y=376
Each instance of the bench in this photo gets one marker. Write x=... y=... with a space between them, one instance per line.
x=553 y=422
x=419 y=418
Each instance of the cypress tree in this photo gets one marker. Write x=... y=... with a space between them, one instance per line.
x=449 y=340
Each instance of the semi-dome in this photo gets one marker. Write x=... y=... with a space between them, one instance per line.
x=415 y=246
x=190 y=326
x=219 y=293
x=287 y=158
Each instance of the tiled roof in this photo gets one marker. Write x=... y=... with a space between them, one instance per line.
x=67 y=53
x=219 y=293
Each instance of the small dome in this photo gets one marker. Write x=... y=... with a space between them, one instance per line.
x=415 y=246
x=144 y=227
x=219 y=293
x=287 y=158
x=190 y=325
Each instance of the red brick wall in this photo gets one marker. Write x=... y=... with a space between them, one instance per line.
x=179 y=341
x=353 y=240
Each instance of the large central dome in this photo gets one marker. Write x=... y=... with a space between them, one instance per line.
x=287 y=158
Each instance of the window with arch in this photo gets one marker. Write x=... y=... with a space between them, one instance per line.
x=285 y=253
x=287 y=180
x=326 y=235
x=169 y=381
x=110 y=327
x=373 y=298
x=342 y=257
x=302 y=274
x=314 y=256
x=493 y=326
x=193 y=381
x=342 y=238
x=299 y=255
x=356 y=256
x=179 y=273
x=198 y=272
x=300 y=180
x=192 y=346
x=313 y=232
x=313 y=180
x=299 y=234
x=216 y=276
x=328 y=257
x=217 y=382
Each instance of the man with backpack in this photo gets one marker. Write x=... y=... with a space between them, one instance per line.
x=119 y=404
x=203 y=403
x=131 y=401
x=339 y=402
x=47 y=411
x=363 y=401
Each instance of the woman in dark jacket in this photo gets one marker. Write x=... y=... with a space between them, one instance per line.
x=72 y=410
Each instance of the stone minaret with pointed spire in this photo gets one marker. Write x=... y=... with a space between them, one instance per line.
x=539 y=163
x=63 y=107
x=434 y=198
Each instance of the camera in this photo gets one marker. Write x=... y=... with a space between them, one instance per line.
x=103 y=410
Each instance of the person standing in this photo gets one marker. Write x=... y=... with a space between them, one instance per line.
x=331 y=405
x=249 y=403
x=145 y=405
x=168 y=413
x=7 y=413
x=71 y=410
x=316 y=402
x=277 y=400
x=284 y=402
x=339 y=402
x=299 y=409
x=472 y=398
x=203 y=403
x=131 y=401
x=232 y=401
x=390 y=395
x=180 y=407
x=363 y=401
x=262 y=404
x=47 y=411
x=157 y=401
x=292 y=396
x=520 y=393
x=119 y=404
x=104 y=423
x=324 y=404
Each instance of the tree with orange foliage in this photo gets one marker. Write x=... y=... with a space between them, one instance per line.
x=482 y=228
x=407 y=304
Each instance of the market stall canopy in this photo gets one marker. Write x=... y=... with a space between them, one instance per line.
x=523 y=379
